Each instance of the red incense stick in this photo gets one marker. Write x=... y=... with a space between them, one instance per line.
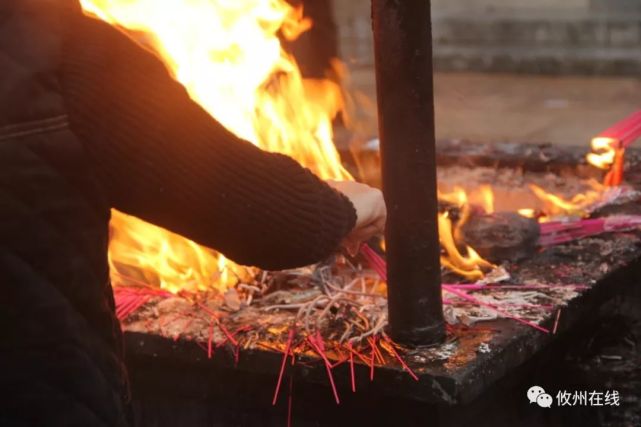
x=622 y=134
x=399 y=358
x=290 y=338
x=318 y=348
x=351 y=366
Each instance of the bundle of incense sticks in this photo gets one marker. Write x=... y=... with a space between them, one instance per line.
x=374 y=260
x=554 y=233
x=379 y=265
x=622 y=134
x=129 y=299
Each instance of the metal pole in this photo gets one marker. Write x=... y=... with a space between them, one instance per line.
x=404 y=84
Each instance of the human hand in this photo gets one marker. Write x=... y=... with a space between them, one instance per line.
x=371 y=212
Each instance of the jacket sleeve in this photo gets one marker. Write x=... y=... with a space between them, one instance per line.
x=162 y=158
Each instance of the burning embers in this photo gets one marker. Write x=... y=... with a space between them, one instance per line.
x=484 y=225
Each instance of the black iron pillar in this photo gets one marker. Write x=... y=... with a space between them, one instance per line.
x=404 y=85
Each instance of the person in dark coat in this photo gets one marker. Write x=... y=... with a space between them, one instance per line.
x=90 y=121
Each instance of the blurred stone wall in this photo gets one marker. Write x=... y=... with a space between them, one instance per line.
x=594 y=37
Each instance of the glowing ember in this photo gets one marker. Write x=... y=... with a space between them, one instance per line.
x=229 y=58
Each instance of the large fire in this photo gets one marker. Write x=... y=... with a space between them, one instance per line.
x=229 y=57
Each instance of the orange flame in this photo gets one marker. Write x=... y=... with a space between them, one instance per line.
x=576 y=206
x=488 y=198
x=141 y=253
x=607 y=154
x=471 y=264
x=228 y=56
x=603 y=152
x=457 y=196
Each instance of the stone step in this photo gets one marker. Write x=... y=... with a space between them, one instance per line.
x=477 y=37
x=539 y=59
x=539 y=29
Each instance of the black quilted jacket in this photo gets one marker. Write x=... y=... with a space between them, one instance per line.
x=89 y=121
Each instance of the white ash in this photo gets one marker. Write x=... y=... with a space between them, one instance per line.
x=497 y=275
x=443 y=352
x=232 y=300
x=469 y=315
x=484 y=348
x=531 y=305
x=172 y=305
x=615 y=196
